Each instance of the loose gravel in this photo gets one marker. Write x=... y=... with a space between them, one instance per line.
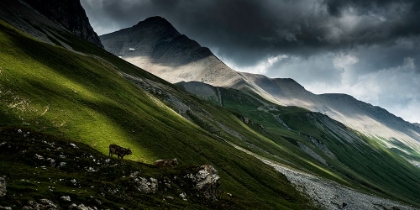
x=330 y=194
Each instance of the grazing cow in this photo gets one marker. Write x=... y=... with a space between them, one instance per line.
x=166 y=163
x=120 y=151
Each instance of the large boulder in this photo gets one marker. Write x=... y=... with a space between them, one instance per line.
x=144 y=185
x=205 y=181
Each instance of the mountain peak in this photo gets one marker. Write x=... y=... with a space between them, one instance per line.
x=154 y=20
x=157 y=24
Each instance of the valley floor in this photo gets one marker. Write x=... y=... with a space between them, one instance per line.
x=329 y=194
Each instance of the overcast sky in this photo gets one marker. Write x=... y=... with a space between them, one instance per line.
x=368 y=49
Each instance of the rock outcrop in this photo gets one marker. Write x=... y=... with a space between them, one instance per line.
x=200 y=182
x=144 y=185
x=42 y=204
x=205 y=180
x=70 y=14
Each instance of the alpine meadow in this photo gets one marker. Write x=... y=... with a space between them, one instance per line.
x=241 y=141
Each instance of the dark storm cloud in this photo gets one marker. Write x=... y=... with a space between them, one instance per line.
x=249 y=30
x=335 y=7
x=345 y=46
x=407 y=10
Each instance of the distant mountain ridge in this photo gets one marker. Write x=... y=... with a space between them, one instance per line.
x=156 y=46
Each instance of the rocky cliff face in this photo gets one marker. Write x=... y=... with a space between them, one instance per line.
x=70 y=14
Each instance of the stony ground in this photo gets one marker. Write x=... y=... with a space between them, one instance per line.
x=329 y=194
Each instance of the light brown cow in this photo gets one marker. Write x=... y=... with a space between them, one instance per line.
x=120 y=151
x=166 y=163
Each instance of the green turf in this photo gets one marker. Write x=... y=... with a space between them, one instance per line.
x=66 y=96
x=364 y=164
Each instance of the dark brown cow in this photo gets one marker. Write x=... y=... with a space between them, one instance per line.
x=120 y=151
x=166 y=163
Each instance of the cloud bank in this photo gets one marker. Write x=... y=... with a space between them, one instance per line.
x=368 y=49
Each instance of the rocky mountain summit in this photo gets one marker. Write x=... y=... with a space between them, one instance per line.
x=155 y=45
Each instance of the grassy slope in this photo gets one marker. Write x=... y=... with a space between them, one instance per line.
x=29 y=178
x=364 y=164
x=82 y=98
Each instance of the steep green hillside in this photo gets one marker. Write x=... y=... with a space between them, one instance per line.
x=84 y=98
x=315 y=143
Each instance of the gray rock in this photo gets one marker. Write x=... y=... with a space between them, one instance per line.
x=144 y=185
x=74 y=146
x=52 y=162
x=90 y=169
x=183 y=196
x=147 y=186
x=5 y=208
x=39 y=157
x=65 y=198
x=205 y=181
x=47 y=203
x=3 y=185
x=72 y=206
x=43 y=204
x=169 y=197
x=82 y=207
